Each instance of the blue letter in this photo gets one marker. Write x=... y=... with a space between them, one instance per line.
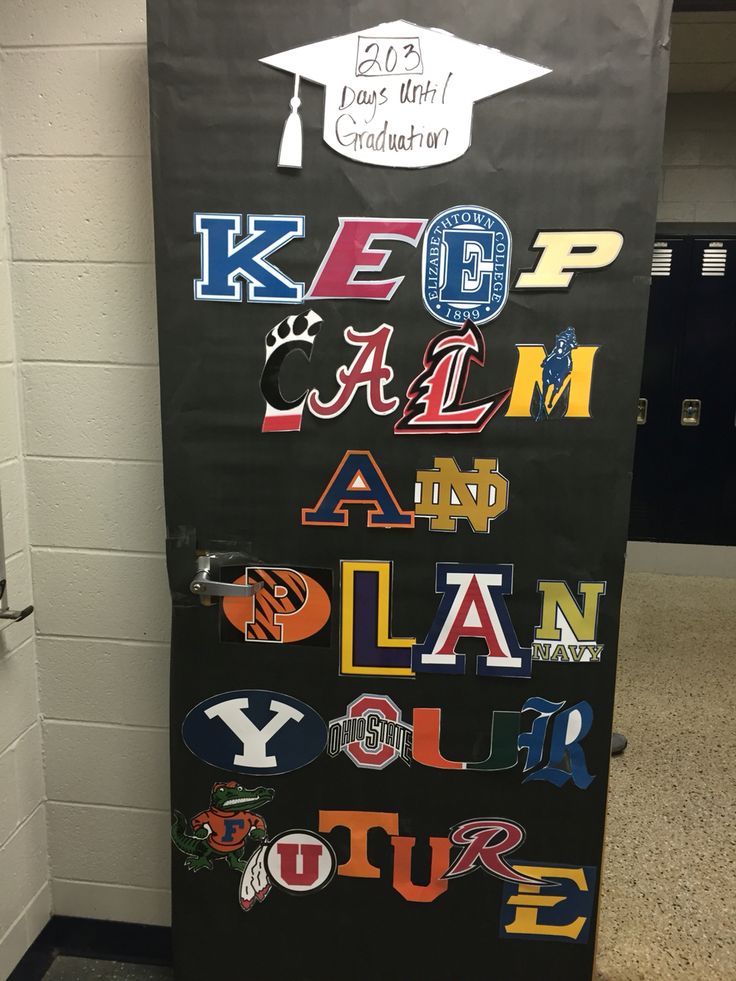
x=230 y=825
x=566 y=759
x=468 y=267
x=223 y=262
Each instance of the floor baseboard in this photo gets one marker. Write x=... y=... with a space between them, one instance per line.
x=107 y=940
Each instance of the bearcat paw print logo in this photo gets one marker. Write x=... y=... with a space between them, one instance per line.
x=297 y=332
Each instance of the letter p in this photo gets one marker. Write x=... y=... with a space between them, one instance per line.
x=565 y=253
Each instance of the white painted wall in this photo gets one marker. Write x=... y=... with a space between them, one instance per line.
x=699 y=158
x=73 y=121
x=25 y=893
x=74 y=124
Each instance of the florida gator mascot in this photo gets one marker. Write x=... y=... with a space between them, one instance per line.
x=227 y=830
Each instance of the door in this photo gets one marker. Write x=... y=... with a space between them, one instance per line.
x=652 y=514
x=396 y=364
x=703 y=469
x=684 y=485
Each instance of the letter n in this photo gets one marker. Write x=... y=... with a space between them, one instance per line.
x=563 y=619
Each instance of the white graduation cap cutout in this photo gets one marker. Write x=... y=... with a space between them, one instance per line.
x=397 y=95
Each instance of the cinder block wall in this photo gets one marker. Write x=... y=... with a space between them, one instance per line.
x=73 y=119
x=74 y=123
x=699 y=158
x=25 y=893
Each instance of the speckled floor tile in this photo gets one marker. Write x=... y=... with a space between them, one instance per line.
x=668 y=904
x=83 y=969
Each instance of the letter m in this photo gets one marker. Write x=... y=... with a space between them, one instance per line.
x=528 y=380
x=225 y=261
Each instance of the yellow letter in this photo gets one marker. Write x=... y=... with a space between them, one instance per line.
x=556 y=596
x=564 y=253
x=529 y=377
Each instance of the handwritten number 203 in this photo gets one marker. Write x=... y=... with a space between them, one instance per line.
x=386 y=62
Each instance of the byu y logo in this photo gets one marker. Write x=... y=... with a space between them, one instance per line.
x=465 y=265
x=254 y=732
x=559 y=909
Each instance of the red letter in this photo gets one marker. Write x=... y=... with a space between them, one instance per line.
x=485 y=841
x=368 y=370
x=435 y=397
x=309 y=872
x=350 y=253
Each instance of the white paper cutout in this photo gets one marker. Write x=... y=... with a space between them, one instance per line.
x=400 y=95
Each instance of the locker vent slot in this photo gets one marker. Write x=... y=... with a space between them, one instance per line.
x=661 y=260
x=714 y=261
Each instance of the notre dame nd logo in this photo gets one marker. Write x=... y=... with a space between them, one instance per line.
x=447 y=493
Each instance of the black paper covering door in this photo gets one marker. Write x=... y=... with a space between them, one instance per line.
x=398 y=374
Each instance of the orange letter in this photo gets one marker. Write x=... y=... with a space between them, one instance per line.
x=359 y=823
x=403 y=884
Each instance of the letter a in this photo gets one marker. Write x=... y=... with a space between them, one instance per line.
x=368 y=370
x=473 y=605
x=358 y=480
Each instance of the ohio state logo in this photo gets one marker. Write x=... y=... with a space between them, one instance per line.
x=371 y=733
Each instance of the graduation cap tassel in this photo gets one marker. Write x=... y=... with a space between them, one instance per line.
x=290 y=151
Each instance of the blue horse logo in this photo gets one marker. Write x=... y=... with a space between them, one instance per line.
x=556 y=371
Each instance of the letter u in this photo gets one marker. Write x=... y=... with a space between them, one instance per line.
x=402 y=881
x=503 y=751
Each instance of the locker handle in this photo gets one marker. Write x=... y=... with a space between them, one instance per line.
x=204 y=585
x=690 y=415
x=642 y=408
